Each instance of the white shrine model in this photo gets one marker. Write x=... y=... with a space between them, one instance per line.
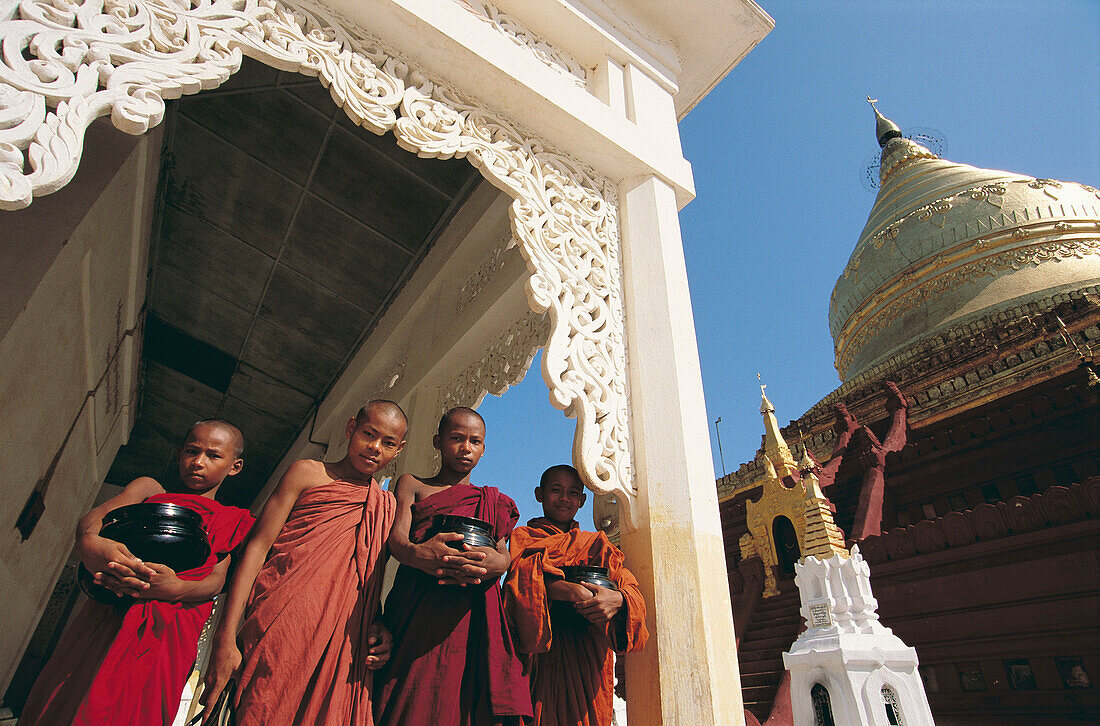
x=847 y=667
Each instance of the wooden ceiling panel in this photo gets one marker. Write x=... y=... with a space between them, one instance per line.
x=270 y=395
x=213 y=260
x=269 y=125
x=228 y=188
x=199 y=313
x=376 y=191
x=292 y=358
x=341 y=254
x=296 y=303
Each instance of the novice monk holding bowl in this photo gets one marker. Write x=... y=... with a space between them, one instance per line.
x=127 y=662
x=569 y=658
x=454 y=663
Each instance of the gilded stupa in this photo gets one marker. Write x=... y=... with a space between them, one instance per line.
x=947 y=243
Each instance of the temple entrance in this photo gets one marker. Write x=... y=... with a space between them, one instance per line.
x=786 y=544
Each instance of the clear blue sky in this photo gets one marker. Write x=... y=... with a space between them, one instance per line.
x=778 y=149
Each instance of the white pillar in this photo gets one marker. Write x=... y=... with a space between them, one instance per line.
x=688 y=672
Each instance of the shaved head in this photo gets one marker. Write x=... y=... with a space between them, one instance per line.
x=385 y=409
x=235 y=434
x=557 y=469
x=448 y=418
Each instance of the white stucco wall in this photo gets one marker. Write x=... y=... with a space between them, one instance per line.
x=67 y=364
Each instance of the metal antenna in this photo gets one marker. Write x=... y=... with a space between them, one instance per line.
x=719 y=435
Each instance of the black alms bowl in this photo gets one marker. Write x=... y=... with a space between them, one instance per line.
x=588 y=575
x=159 y=532
x=564 y=614
x=475 y=532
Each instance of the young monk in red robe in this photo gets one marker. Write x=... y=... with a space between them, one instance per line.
x=307 y=588
x=570 y=660
x=454 y=663
x=127 y=663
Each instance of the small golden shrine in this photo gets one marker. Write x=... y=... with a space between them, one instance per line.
x=791 y=503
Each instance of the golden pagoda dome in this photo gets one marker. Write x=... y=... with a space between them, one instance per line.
x=946 y=243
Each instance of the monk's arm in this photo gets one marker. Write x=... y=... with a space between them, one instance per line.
x=225 y=657
x=427 y=556
x=497 y=561
x=100 y=554
x=165 y=585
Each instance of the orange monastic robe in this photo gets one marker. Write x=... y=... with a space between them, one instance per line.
x=571 y=666
x=304 y=637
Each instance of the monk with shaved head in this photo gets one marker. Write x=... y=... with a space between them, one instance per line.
x=306 y=593
x=126 y=662
x=454 y=663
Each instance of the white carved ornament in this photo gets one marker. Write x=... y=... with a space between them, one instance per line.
x=503 y=364
x=541 y=48
x=66 y=63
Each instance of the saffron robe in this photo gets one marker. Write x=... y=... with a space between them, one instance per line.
x=127 y=664
x=570 y=661
x=453 y=662
x=304 y=639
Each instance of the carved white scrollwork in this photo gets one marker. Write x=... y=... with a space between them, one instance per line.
x=504 y=363
x=66 y=63
x=541 y=48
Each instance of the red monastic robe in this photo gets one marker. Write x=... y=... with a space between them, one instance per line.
x=570 y=662
x=304 y=638
x=453 y=662
x=128 y=664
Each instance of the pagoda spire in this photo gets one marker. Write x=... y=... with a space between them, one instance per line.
x=775 y=448
x=885 y=129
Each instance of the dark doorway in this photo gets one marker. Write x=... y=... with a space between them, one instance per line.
x=786 y=544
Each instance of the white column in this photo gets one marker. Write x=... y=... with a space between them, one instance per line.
x=688 y=672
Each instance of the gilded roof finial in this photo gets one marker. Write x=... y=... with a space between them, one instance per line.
x=775 y=448
x=806 y=463
x=885 y=129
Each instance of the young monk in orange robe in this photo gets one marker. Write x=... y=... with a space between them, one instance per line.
x=314 y=567
x=570 y=659
x=127 y=663
x=454 y=663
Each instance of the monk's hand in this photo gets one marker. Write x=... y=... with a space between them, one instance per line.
x=163 y=585
x=604 y=604
x=225 y=659
x=567 y=591
x=121 y=586
x=100 y=554
x=495 y=562
x=380 y=641
x=464 y=567
x=428 y=556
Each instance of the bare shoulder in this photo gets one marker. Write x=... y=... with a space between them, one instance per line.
x=303 y=474
x=144 y=487
x=408 y=487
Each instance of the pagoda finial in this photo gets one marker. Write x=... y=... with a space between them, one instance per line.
x=775 y=448
x=885 y=129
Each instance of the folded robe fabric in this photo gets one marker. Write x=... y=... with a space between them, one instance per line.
x=453 y=661
x=128 y=665
x=304 y=636
x=570 y=662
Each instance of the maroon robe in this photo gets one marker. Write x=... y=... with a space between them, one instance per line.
x=128 y=664
x=453 y=661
